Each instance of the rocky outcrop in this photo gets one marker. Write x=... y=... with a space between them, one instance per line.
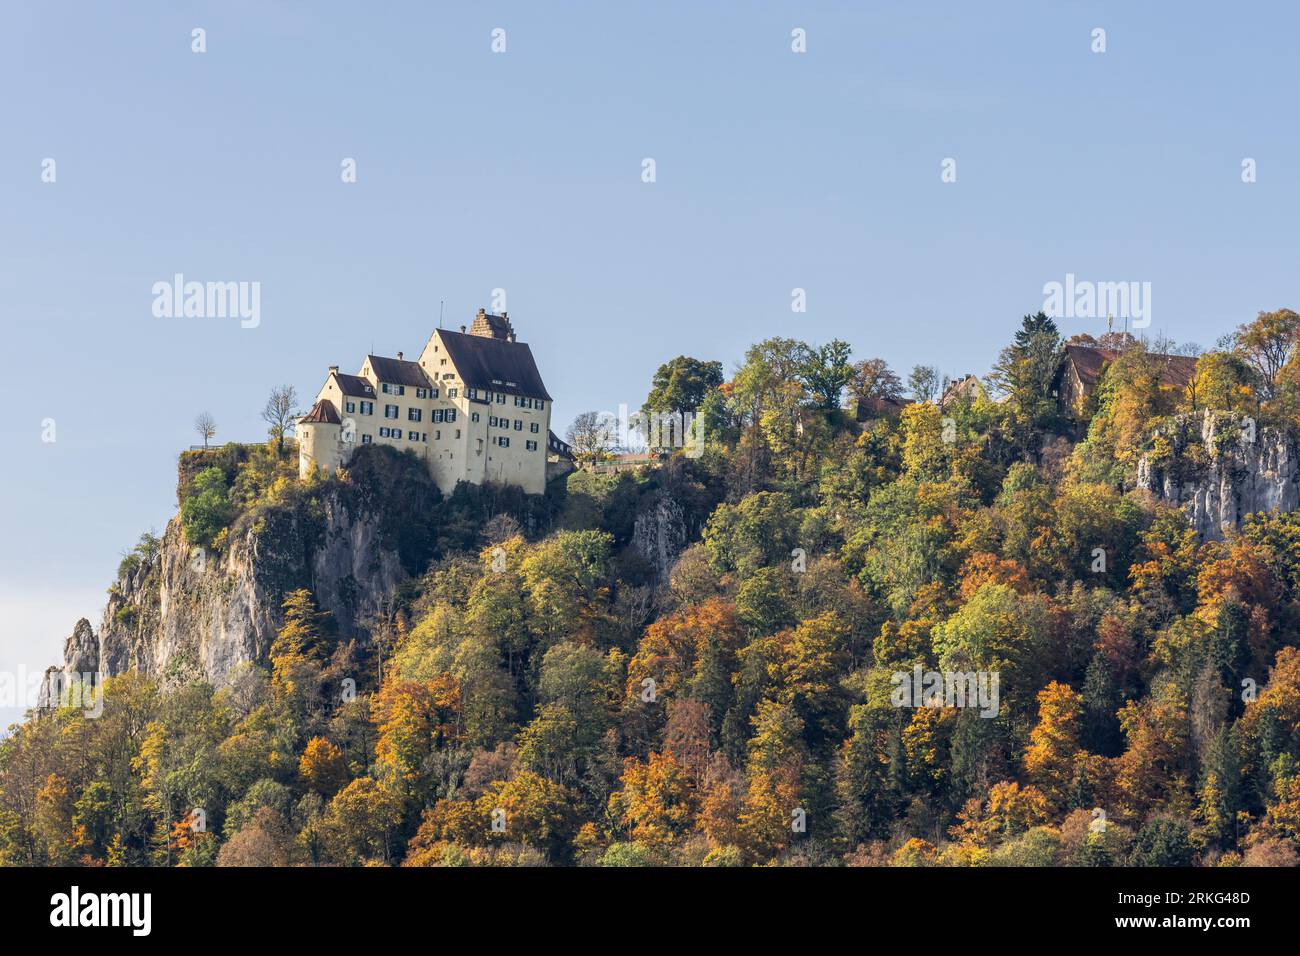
x=1220 y=468
x=80 y=663
x=179 y=613
x=81 y=650
x=660 y=533
x=203 y=613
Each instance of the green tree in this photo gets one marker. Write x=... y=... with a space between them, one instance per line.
x=206 y=509
x=923 y=383
x=1026 y=369
x=826 y=372
x=682 y=384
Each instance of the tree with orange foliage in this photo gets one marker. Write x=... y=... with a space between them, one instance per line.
x=925 y=744
x=1281 y=695
x=915 y=852
x=983 y=567
x=671 y=646
x=192 y=846
x=686 y=735
x=1154 y=772
x=1240 y=581
x=528 y=809
x=1053 y=755
x=1007 y=811
x=902 y=642
x=723 y=798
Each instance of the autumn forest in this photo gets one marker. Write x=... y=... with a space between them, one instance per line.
x=543 y=688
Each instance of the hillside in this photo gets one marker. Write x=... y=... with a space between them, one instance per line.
x=969 y=626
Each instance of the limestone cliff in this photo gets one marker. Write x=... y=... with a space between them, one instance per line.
x=178 y=612
x=659 y=533
x=1220 y=468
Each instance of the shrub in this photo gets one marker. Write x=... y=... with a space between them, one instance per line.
x=206 y=509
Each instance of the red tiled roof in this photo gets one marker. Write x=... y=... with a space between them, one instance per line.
x=322 y=413
x=1175 y=370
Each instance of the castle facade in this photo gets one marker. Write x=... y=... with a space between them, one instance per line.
x=473 y=406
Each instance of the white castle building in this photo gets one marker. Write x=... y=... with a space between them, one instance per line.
x=473 y=407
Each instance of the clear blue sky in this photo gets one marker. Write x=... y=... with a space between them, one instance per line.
x=522 y=171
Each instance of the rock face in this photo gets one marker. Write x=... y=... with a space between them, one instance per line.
x=1220 y=468
x=81 y=650
x=660 y=533
x=182 y=613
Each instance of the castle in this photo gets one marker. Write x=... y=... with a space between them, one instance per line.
x=473 y=407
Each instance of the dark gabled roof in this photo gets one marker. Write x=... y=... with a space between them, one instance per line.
x=555 y=444
x=495 y=364
x=354 y=385
x=1088 y=361
x=322 y=413
x=398 y=371
x=874 y=406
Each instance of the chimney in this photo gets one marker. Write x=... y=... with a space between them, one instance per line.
x=334 y=368
x=510 y=336
x=462 y=330
x=399 y=356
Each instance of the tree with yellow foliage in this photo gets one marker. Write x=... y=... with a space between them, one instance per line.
x=322 y=767
x=658 y=803
x=415 y=719
x=775 y=769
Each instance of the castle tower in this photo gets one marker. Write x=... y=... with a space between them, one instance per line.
x=320 y=434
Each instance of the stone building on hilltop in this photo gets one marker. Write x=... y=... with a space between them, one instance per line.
x=473 y=406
